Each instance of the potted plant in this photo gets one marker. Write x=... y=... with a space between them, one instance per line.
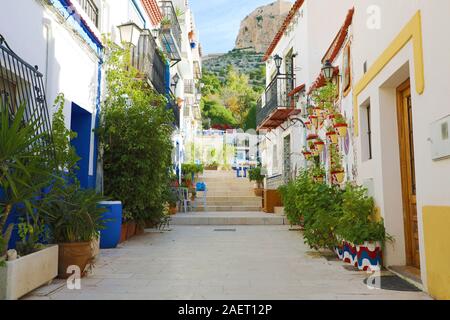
x=166 y=23
x=308 y=125
x=307 y=154
x=365 y=237
x=331 y=134
x=256 y=176
x=24 y=176
x=312 y=137
x=318 y=173
x=319 y=145
x=337 y=171
x=314 y=121
x=340 y=125
x=75 y=219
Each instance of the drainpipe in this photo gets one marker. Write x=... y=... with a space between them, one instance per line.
x=139 y=11
x=98 y=166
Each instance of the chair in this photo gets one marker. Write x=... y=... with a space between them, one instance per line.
x=185 y=203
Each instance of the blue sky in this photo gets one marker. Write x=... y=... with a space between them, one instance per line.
x=218 y=21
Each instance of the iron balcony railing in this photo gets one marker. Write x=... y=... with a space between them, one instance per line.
x=146 y=58
x=21 y=83
x=91 y=10
x=170 y=31
x=173 y=106
x=276 y=96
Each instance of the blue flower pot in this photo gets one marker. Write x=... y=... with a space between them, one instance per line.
x=110 y=236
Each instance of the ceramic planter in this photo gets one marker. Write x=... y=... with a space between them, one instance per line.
x=21 y=276
x=307 y=155
x=319 y=179
x=314 y=121
x=312 y=137
x=338 y=176
x=350 y=254
x=339 y=250
x=317 y=112
x=369 y=256
x=308 y=125
x=74 y=254
x=332 y=137
x=341 y=129
x=319 y=146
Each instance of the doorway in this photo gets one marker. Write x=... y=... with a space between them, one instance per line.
x=407 y=165
x=81 y=122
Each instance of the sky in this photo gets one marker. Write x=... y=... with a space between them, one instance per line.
x=218 y=21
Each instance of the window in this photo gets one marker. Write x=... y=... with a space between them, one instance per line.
x=366 y=130
x=91 y=10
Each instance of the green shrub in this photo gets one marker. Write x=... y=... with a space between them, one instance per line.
x=357 y=223
x=255 y=175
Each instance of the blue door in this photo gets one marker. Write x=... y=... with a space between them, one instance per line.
x=81 y=123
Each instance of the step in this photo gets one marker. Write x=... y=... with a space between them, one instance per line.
x=238 y=208
x=231 y=198
x=228 y=220
x=246 y=203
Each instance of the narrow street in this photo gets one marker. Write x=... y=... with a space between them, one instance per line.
x=201 y=262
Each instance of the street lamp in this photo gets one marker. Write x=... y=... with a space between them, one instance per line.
x=176 y=79
x=328 y=70
x=130 y=33
x=278 y=61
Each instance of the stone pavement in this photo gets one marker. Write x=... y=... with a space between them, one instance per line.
x=228 y=218
x=199 y=262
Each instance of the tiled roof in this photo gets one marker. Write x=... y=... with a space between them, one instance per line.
x=153 y=11
x=297 y=5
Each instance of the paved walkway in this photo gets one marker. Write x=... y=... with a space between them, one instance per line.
x=197 y=262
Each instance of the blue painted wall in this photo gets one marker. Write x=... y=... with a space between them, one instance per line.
x=81 y=123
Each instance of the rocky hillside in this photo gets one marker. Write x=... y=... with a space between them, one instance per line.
x=260 y=27
x=245 y=61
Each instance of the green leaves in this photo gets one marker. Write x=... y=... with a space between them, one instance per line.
x=254 y=174
x=136 y=136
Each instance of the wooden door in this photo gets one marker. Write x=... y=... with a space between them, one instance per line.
x=407 y=163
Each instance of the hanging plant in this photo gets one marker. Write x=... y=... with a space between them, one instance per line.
x=337 y=170
x=319 y=145
x=307 y=154
x=318 y=173
x=331 y=134
x=308 y=125
x=340 y=125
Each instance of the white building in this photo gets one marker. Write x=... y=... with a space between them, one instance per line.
x=388 y=63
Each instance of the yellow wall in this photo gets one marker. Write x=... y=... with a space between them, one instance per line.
x=436 y=226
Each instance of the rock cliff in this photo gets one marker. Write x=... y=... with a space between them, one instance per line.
x=260 y=27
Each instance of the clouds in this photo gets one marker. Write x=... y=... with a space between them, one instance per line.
x=218 y=21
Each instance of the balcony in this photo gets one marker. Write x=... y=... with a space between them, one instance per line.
x=170 y=31
x=277 y=105
x=147 y=60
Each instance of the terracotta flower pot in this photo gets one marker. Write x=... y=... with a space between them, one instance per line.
x=258 y=192
x=319 y=146
x=131 y=230
x=341 y=129
x=332 y=137
x=123 y=232
x=369 y=256
x=319 y=179
x=312 y=137
x=318 y=111
x=139 y=230
x=74 y=254
x=173 y=210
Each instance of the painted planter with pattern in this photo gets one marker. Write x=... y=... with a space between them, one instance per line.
x=350 y=254
x=369 y=256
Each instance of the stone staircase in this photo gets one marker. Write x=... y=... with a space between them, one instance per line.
x=227 y=193
x=230 y=201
